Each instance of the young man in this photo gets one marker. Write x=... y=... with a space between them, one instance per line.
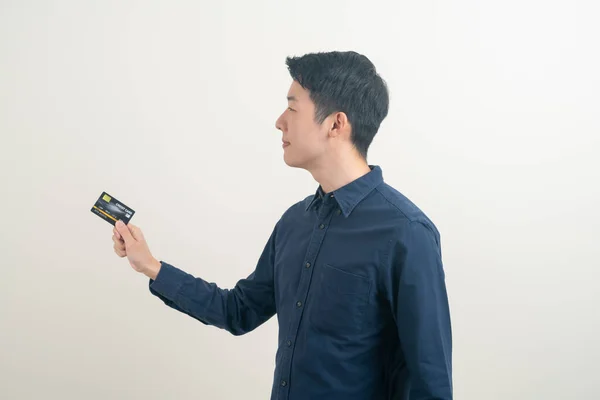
x=353 y=272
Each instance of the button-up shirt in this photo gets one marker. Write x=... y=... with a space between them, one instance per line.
x=356 y=280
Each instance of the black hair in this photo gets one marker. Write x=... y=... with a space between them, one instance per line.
x=344 y=82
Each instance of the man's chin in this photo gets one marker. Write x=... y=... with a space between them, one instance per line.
x=292 y=163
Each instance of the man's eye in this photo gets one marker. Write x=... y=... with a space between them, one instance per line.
x=289 y=108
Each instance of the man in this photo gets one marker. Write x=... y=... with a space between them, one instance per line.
x=353 y=272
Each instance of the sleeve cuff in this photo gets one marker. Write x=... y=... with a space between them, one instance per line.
x=168 y=282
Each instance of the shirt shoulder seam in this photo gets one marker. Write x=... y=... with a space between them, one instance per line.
x=378 y=188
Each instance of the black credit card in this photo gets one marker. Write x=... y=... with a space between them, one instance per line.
x=111 y=209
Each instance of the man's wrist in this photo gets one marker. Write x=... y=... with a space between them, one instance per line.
x=151 y=271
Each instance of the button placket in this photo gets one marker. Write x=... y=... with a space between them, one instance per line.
x=324 y=216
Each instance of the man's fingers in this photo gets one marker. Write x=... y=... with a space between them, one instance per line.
x=118 y=243
x=121 y=252
x=116 y=232
x=124 y=231
x=136 y=232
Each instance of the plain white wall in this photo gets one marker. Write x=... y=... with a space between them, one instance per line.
x=170 y=106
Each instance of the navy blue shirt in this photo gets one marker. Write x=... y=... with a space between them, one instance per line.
x=356 y=280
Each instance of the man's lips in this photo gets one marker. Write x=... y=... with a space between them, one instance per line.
x=285 y=144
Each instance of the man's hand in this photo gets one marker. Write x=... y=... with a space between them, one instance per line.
x=130 y=242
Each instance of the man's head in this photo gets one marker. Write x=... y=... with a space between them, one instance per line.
x=336 y=104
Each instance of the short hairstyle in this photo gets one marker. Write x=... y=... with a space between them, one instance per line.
x=344 y=82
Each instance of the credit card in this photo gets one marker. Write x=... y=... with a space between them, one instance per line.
x=111 y=209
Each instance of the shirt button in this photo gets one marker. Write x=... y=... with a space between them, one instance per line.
x=339 y=212
x=299 y=304
x=331 y=196
x=322 y=226
x=283 y=383
x=289 y=343
x=307 y=265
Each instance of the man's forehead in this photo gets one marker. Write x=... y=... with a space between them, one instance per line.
x=296 y=92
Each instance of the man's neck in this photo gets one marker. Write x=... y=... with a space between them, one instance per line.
x=338 y=174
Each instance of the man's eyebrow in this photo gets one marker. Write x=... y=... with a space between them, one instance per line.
x=292 y=98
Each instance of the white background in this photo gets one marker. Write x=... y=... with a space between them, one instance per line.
x=171 y=106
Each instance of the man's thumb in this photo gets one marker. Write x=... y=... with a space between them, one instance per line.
x=124 y=231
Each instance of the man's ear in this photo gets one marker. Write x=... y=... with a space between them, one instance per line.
x=339 y=124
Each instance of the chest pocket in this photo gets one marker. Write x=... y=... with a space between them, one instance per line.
x=339 y=301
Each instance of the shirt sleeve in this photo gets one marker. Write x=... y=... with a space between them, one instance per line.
x=239 y=310
x=416 y=290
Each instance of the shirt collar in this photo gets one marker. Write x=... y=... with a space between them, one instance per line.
x=348 y=196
